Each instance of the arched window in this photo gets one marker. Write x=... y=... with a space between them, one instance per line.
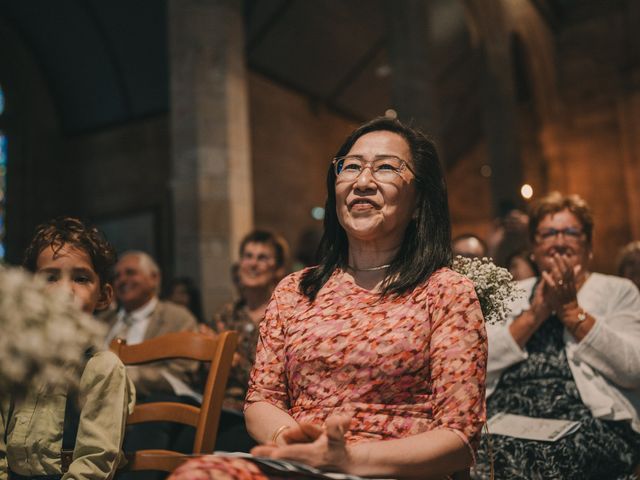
x=3 y=174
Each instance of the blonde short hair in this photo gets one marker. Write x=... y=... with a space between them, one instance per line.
x=556 y=202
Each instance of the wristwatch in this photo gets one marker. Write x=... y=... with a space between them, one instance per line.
x=582 y=316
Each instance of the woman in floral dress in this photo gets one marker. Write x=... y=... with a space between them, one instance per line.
x=372 y=363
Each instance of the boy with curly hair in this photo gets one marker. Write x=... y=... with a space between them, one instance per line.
x=77 y=258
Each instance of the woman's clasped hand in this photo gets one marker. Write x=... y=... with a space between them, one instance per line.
x=321 y=447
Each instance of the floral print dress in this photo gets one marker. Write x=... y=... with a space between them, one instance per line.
x=401 y=365
x=235 y=316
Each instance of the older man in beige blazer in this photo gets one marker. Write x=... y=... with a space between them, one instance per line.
x=142 y=316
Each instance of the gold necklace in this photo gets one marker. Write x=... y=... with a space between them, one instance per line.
x=369 y=269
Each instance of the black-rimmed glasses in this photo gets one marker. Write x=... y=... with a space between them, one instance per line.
x=573 y=233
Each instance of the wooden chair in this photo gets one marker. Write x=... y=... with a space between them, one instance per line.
x=219 y=352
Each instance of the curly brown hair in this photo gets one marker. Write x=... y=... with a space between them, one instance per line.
x=61 y=231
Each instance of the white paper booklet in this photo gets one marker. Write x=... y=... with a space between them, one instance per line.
x=529 y=428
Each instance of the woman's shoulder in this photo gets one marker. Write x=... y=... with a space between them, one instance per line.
x=447 y=279
x=610 y=281
x=443 y=285
x=447 y=291
x=288 y=290
x=291 y=283
x=612 y=286
x=287 y=295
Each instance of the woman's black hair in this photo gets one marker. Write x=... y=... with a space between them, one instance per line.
x=426 y=245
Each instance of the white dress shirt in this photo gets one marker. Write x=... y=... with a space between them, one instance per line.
x=133 y=324
x=132 y=327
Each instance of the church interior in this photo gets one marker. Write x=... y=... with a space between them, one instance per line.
x=176 y=126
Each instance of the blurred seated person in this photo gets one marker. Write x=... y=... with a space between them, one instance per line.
x=629 y=262
x=570 y=350
x=183 y=291
x=468 y=245
x=373 y=362
x=263 y=259
x=143 y=316
x=509 y=233
x=76 y=258
x=521 y=266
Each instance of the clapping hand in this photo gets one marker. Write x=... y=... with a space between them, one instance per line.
x=312 y=445
x=539 y=306
x=561 y=283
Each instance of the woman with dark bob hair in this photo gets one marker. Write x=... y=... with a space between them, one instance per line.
x=568 y=351
x=373 y=362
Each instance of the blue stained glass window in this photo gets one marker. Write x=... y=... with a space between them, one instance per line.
x=3 y=149
x=3 y=188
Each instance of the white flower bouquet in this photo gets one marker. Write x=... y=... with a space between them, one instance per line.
x=44 y=335
x=494 y=286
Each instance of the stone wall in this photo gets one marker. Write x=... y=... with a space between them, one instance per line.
x=126 y=169
x=470 y=194
x=587 y=141
x=292 y=143
x=581 y=134
x=598 y=127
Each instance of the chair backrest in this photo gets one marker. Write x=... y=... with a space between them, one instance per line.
x=219 y=352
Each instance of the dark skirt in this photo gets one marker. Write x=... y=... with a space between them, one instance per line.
x=542 y=386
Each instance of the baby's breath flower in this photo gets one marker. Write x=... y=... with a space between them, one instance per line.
x=494 y=286
x=44 y=335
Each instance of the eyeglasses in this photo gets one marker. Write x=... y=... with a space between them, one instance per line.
x=259 y=258
x=385 y=168
x=572 y=233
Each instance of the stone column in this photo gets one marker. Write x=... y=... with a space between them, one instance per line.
x=211 y=183
x=414 y=78
x=500 y=114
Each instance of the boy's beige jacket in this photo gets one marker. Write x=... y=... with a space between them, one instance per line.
x=31 y=439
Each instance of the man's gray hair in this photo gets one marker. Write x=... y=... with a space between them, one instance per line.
x=147 y=263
